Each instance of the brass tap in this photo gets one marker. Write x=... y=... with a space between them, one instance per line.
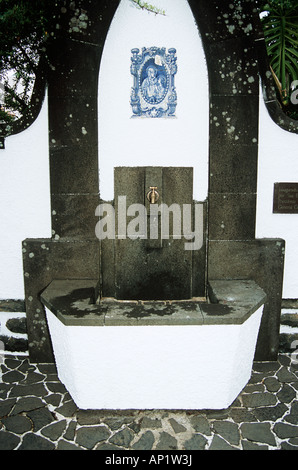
x=153 y=195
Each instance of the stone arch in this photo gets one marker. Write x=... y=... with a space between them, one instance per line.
x=230 y=39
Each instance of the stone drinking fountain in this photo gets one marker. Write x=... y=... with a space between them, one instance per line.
x=172 y=320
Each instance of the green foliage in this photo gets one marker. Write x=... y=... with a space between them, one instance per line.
x=149 y=7
x=280 y=24
x=25 y=26
x=23 y=30
x=5 y=116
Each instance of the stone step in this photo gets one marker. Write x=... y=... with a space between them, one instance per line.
x=13 y=327
x=289 y=318
x=289 y=303
x=288 y=338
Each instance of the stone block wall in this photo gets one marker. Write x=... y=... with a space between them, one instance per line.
x=288 y=337
x=13 y=327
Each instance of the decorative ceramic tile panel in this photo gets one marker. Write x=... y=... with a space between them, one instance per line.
x=153 y=94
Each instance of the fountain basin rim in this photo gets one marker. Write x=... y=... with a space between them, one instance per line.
x=75 y=303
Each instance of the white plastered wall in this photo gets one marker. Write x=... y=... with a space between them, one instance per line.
x=278 y=162
x=24 y=200
x=154 y=367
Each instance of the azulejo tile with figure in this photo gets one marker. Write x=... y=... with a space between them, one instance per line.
x=153 y=93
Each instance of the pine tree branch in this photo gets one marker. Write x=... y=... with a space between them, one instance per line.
x=151 y=8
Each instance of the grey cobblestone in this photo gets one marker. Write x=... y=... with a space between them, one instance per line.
x=37 y=413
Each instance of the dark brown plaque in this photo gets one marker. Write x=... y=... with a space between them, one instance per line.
x=285 y=200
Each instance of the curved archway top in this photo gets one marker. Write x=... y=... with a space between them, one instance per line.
x=218 y=22
x=233 y=30
x=80 y=21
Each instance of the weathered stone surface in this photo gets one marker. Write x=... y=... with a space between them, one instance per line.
x=37 y=390
x=70 y=432
x=8 y=441
x=151 y=423
x=17 y=325
x=56 y=387
x=166 y=442
x=123 y=438
x=33 y=377
x=34 y=442
x=48 y=368
x=238 y=427
x=27 y=404
x=272 y=384
x=258 y=432
x=294 y=441
x=267 y=366
x=177 y=427
x=270 y=413
x=286 y=394
x=233 y=216
x=201 y=424
x=73 y=139
x=10 y=305
x=17 y=424
x=68 y=409
x=288 y=446
x=90 y=435
x=258 y=399
x=13 y=377
x=55 y=430
x=64 y=445
x=251 y=388
x=13 y=363
x=40 y=418
x=13 y=344
x=229 y=431
x=63 y=259
x=145 y=442
x=171 y=264
x=284 y=430
x=89 y=417
x=196 y=442
x=220 y=444
x=234 y=259
x=247 y=445
x=53 y=400
x=292 y=417
x=285 y=376
x=73 y=303
x=106 y=446
x=240 y=415
x=6 y=406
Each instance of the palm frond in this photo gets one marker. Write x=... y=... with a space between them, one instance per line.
x=280 y=27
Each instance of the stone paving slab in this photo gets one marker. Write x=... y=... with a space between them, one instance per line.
x=37 y=413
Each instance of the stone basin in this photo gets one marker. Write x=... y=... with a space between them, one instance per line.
x=186 y=354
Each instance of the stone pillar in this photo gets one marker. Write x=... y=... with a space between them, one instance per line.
x=74 y=53
x=73 y=129
x=231 y=34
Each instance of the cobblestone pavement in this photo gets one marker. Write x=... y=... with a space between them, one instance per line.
x=37 y=413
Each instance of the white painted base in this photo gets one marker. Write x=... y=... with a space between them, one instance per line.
x=154 y=367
